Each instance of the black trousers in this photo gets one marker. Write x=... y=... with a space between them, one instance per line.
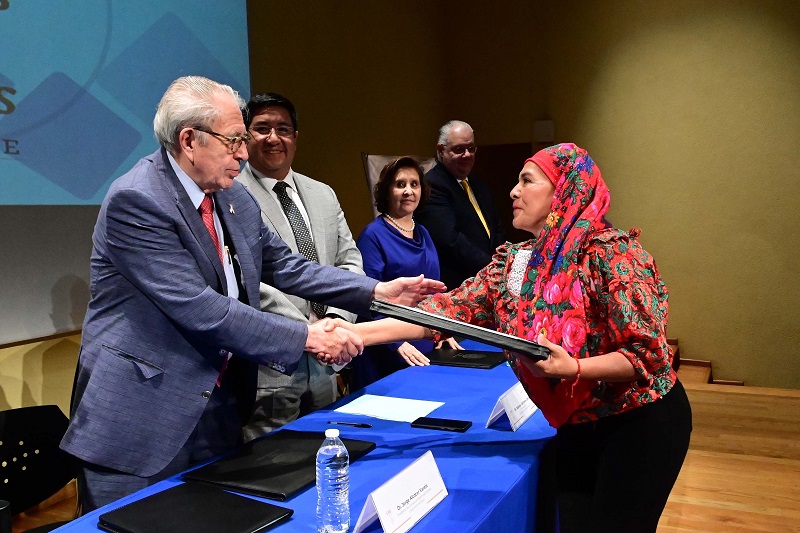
x=614 y=475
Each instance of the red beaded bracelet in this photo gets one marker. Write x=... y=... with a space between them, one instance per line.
x=577 y=377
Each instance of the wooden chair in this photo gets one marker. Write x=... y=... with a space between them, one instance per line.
x=373 y=164
x=32 y=466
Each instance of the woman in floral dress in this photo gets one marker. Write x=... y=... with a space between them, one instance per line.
x=592 y=295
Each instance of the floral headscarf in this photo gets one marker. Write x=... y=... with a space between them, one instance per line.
x=551 y=297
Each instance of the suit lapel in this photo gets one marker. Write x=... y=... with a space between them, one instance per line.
x=269 y=207
x=227 y=211
x=307 y=196
x=193 y=220
x=465 y=206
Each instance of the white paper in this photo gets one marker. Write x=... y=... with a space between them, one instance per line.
x=389 y=408
x=406 y=498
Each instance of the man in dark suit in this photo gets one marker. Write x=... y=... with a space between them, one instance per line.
x=173 y=332
x=459 y=213
x=271 y=120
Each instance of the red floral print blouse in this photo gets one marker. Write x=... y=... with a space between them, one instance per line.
x=626 y=311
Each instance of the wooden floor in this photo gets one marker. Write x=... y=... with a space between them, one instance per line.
x=60 y=507
x=742 y=473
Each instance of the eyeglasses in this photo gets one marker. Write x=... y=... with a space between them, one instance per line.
x=233 y=143
x=265 y=131
x=461 y=148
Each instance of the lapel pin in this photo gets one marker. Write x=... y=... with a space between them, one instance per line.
x=230 y=208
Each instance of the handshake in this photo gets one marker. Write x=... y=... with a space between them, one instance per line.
x=335 y=341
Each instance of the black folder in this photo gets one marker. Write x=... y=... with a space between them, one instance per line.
x=466 y=358
x=275 y=467
x=454 y=327
x=193 y=508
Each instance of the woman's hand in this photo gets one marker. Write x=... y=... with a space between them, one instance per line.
x=329 y=324
x=380 y=331
x=412 y=356
x=559 y=365
x=449 y=342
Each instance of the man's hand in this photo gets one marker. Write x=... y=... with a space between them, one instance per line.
x=407 y=291
x=332 y=345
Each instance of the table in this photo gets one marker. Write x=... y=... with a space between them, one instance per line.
x=490 y=474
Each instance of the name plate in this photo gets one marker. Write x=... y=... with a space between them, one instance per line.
x=514 y=403
x=406 y=498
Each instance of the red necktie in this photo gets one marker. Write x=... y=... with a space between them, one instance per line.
x=207 y=212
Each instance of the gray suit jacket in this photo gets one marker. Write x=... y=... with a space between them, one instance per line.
x=332 y=238
x=159 y=322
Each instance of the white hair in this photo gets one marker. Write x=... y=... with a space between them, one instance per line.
x=444 y=131
x=188 y=102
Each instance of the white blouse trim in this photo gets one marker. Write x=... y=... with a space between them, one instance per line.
x=517 y=274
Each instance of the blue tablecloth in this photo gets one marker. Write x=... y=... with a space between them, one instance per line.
x=490 y=474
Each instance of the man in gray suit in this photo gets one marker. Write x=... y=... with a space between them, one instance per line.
x=271 y=120
x=174 y=331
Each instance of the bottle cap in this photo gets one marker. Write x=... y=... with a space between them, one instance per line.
x=331 y=433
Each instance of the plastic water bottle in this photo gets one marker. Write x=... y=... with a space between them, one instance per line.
x=333 y=485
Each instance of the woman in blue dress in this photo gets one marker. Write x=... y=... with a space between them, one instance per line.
x=394 y=245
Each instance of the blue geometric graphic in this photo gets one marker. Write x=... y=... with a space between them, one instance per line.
x=166 y=51
x=87 y=134
x=80 y=82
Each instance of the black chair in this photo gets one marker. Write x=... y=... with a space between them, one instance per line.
x=32 y=466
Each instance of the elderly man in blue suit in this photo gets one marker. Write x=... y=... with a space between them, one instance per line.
x=173 y=332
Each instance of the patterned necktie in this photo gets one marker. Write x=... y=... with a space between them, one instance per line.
x=465 y=185
x=207 y=212
x=301 y=234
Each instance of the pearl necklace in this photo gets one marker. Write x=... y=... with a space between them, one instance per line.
x=398 y=226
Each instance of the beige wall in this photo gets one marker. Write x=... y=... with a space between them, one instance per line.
x=693 y=114
x=364 y=78
x=38 y=373
x=691 y=109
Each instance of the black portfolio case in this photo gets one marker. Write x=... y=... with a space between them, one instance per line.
x=466 y=358
x=454 y=327
x=193 y=508
x=276 y=466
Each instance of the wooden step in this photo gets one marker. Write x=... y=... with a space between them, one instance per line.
x=694 y=371
x=758 y=421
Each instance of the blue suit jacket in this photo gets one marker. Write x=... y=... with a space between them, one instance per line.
x=159 y=321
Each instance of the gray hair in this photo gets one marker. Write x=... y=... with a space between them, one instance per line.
x=189 y=101
x=444 y=131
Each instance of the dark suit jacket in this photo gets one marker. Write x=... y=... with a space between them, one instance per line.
x=159 y=322
x=457 y=231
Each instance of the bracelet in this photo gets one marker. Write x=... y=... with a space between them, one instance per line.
x=577 y=378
